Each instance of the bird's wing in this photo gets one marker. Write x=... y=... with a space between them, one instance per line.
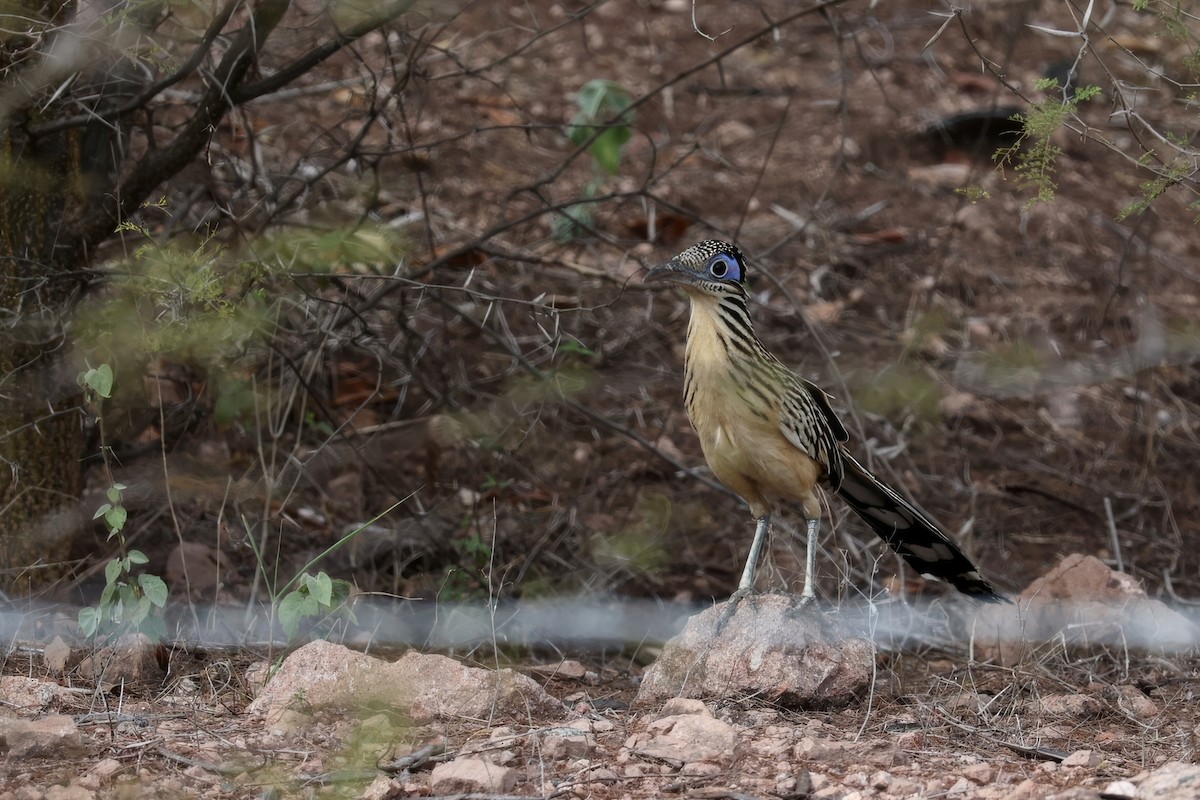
x=807 y=421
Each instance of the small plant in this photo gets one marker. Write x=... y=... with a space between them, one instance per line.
x=605 y=120
x=315 y=597
x=129 y=602
x=311 y=597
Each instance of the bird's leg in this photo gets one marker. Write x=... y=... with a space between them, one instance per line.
x=746 y=584
x=810 y=563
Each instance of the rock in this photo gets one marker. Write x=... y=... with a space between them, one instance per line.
x=981 y=774
x=559 y=744
x=1172 y=781
x=1081 y=706
x=772 y=648
x=472 y=775
x=1082 y=758
x=54 y=737
x=565 y=669
x=71 y=792
x=1028 y=789
x=132 y=660
x=1119 y=789
x=677 y=706
x=690 y=738
x=323 y=675
x=1134 y=702
x=1085 y=604
x=382 y=788
x=56 y=655
x=28 y=694
x=106 y=768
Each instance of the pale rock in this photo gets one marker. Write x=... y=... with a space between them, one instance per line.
x=559 y=744
x=1082 y=758
x=1135 y=703
x=602 y=774
x=700 y=769
x=472 y=775
x=1028 y=789
x=1172 y=781
x=72 y=792
x=55 y=656
x=51 y=737
x=28 y=694
x=1118 y=789
x=689 y=738
x=772 y=648
x=88 y=781
x=133 y=659
x=684 y=705
x=961 y=786
x=1080 y=706
x=1083 y=603
x=382 y=788
x=324 y=675
x=565 y=669
x=979 y=773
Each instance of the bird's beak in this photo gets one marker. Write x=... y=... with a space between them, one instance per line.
x=672 y=271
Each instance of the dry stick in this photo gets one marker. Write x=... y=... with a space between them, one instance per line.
x=1029 y=751
x=1112 y=533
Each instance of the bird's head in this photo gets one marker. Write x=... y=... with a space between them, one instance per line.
x=711 y=267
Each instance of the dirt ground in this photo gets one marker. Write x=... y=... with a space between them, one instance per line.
x=1026 y=371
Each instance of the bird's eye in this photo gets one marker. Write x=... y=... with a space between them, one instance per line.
x=724 y=266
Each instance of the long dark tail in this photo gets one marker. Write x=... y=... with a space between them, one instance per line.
x=910 y=533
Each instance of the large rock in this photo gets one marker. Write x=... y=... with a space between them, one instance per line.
x=323 y=675
x=772 y=647
x=1083 y=603
x=475 y=775
x=54 y=737
x=1172 y=781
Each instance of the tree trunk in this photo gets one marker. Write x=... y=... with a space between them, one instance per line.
x=44 y=182
x=66 y=181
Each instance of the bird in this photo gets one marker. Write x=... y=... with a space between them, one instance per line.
x=772 y=437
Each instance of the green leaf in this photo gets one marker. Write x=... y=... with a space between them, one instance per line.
x=293 y=608
x=99 y=380
x=603 y=102
x=114 y=492
x=89 y=620
x=154 y=627
x=321 y=589
x=154 y=588
x=101 y=511
x=607 y=149
x=138 y=557
x=115 y=518
x=112 y=571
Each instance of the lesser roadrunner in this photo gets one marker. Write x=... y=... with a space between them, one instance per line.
x=771 y=436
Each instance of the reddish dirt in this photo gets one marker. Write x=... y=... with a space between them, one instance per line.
x=1019 y=368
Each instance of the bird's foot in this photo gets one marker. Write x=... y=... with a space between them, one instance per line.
x=731 y=608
